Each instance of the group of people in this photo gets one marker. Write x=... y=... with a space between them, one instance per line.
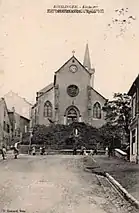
x=84 y=152
x=109 y=151
x=14 y=148
x=33 y=150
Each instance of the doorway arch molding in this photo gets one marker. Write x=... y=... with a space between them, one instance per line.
x=72 y=114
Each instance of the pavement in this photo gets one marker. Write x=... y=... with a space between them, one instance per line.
x=56 y=184
x=126 y=173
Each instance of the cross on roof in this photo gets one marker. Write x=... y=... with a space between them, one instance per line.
x=73 y=52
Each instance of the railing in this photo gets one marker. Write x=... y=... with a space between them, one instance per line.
x=24 y=150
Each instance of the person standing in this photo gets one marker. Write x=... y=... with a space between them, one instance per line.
x=33 y=150
x=75 y=151
x=91 y=152
x=128 y=152
x=83 y=149
x=16 y=149
x=109 y=151
x=40 y=150
x=106 y=151
x=3 y=152
x=85 y=152
x=30 y=150
x=95 y=150
x=43 y=150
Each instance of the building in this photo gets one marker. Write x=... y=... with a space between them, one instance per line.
x=20 y=125
x=19 y=110
x=71 y=96
x=21 y=105
x=134 y=125
x=5 y=125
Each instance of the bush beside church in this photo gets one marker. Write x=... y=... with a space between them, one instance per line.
x=62 y=137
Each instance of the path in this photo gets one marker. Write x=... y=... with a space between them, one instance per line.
x=52 y=184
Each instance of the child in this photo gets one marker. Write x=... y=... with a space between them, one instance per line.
x=33 y=150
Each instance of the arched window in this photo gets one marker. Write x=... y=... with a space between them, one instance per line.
x=97 y=111
x=48 y=109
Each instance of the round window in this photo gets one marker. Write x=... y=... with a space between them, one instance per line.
x=73 y=90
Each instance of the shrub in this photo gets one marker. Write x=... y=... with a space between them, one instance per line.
x=61 y=136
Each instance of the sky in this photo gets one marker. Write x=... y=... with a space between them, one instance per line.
x=34 y=44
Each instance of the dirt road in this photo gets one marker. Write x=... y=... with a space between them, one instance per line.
x=52 y=184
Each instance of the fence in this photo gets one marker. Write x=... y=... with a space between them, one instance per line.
x=24 y=149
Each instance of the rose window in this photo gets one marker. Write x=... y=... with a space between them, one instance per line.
x=72 y=90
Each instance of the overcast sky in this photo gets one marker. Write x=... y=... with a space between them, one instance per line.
x=34 y=44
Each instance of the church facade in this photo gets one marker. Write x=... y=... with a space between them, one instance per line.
x=71 y=97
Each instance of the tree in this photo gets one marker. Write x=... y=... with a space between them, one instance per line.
x=110 y=135
x=118 y=114
x=40 y=133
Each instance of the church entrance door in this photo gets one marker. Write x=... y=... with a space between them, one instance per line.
x=72 y=115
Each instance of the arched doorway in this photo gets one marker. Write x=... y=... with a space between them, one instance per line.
x=72 y=115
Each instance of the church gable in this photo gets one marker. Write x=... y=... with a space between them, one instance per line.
x=72 y=72
x=72 y=65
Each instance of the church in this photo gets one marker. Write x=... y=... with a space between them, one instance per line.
x=71 y=97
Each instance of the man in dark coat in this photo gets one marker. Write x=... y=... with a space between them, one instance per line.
x=128 y=152
x=110 y=150
x=74 y=151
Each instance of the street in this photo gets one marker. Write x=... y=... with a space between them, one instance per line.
x=55 y=184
